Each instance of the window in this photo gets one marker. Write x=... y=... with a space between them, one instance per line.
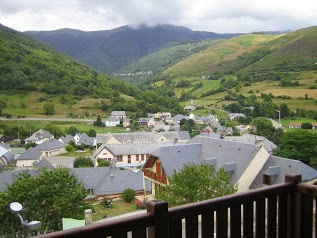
x=142 y=157
x=137 y=157
x=266 y=179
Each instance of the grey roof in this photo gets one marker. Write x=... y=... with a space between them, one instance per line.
x=227 y=152
x=31 y=138
x=67 y=139
x=30 y=154
x=117 y=180
x=174 y=157
x=252 y=139
x=111 y=118
x=91 y=176
x=287 y=166
x=44 y=163
x=87 y=140
x=6 y=178
x=65 y=161
x=131 y=149
x=6 y=157
x=144 y=137
x=50 y=145
x=4 y=146
x=118 y=113
x=103 y=138
x=39 y=135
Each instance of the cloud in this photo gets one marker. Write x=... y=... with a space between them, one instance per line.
x=216 y=15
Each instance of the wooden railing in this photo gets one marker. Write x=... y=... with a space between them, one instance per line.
x=155 y=176
x=284 y=210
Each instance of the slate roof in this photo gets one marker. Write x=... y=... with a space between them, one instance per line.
x=91 y=176
x=6 y=178
x=6 y=156
x=103 y=138
x=117 y=180
x=30 y=154
x=5 y=146
x=287 y=166
x=174 y=157
x=131 y=149
x=144 y=137
x=87 y=140
x=50 y=145
x=227 y=152
x=251 y=139
x=67 y=139
x=118 y=113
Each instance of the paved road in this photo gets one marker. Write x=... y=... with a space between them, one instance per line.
x=47 y=119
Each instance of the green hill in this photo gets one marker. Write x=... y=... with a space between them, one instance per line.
x=111 y=50
x=32 y=73
x=282 y=66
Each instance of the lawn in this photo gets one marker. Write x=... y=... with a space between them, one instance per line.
x=119 y=207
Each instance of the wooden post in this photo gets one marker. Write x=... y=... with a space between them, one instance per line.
x=293 y=208
x=159 y=210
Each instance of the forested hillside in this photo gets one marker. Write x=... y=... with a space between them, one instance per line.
x=109 y=51
x=28 y=67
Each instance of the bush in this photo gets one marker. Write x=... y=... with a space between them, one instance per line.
x=103 y=163
x=83 y=162
x=69 y=148
x=107 y=203
x=140 y=204
x=128 y=195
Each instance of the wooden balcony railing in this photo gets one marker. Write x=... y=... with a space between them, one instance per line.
x=284 y=210
x=155 y=176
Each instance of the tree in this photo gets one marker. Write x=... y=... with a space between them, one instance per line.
x=98 y=122
x=196 y=183
x=128 y=195
x=264 y=127
x=300 y=145
x=82 y=162
x=92 y=133
x=47 y=197
x=49 y=109
x=72 y=131
x=306 y=125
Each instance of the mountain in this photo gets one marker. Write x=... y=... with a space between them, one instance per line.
x=111 y=50
x=254 y=53
x=33 y=74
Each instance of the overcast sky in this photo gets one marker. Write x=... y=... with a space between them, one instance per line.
x=219 y=16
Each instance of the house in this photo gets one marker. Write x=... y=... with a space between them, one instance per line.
x=143 y=121
x=6 y=157
x=125 y=155
x=112 y=122
x=314 y=125
x=143 y=137
x=234 y=116
x=100 y=182
x=79 y=139
x=253 y=139
x=119 y=115
x=295 y=125
x=30 y=156
x=39 y=137
x=66 y=139
x=51 y=147
x=190 y=108
x=248 y=164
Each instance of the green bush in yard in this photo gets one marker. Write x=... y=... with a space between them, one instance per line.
x=128 y=195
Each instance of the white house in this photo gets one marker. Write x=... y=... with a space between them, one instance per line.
x=112 y=122
x=119 y=115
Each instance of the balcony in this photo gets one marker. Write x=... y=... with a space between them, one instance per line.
x=154 y=176
x=284 y=210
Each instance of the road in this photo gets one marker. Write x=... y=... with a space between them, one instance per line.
x=47 y=119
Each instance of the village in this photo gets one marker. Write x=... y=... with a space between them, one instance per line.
x=144 y=160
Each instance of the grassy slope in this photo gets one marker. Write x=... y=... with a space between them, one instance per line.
x=218 y=56
x=293 y=52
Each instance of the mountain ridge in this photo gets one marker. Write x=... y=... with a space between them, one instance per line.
x=111 y=50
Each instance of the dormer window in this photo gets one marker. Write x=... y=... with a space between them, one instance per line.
x=211 y=161
x=230 y=167
x=270 y=175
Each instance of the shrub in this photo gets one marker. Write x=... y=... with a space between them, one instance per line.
x=103 y=163
x=82 y=162
x=128 y=195
x=107 y=203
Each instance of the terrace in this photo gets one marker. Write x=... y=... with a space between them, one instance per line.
x=283 y=210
